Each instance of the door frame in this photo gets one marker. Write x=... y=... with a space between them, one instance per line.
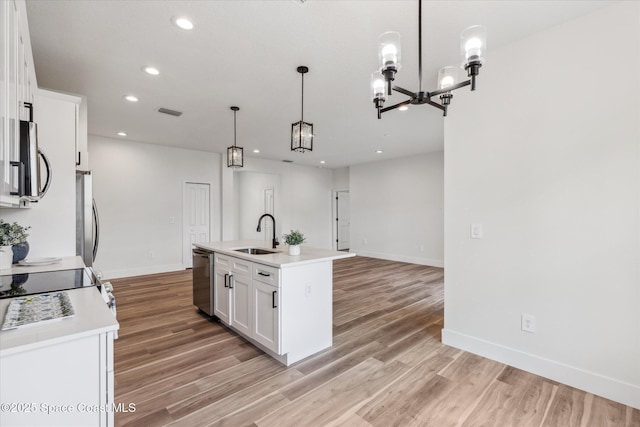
x=334 y=216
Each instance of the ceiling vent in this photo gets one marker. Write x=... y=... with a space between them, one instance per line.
x=170 y=112
x=287 y=161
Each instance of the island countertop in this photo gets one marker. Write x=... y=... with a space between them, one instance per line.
x=280 y=259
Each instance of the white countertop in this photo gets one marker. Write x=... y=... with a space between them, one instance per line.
x=91 y=317
x=66 y=263
x=280 y=259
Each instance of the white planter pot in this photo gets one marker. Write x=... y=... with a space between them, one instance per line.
x=294 y=250
x=6 y=257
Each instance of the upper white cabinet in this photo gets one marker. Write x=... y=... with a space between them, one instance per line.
x=17 y=84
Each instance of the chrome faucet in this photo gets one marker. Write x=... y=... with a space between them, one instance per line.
x=274 y=241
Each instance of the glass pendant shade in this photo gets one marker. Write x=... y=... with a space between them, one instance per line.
x=235 y=158
x=473 y=44
x=389 y=50
x=235 y=155
x=378 y=86
x=447 y=77
x=302 y=136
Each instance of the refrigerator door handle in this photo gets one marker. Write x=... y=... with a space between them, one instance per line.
x=96 y=230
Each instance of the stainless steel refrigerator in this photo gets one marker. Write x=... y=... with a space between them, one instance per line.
x=87 y=220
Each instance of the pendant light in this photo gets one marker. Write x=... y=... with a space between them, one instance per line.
x=302 y=132
x=235 y=159
x=473 y=45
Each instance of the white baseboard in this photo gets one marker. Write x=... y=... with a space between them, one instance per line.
x=141 y=271
x=610 y=388
x=401 y=258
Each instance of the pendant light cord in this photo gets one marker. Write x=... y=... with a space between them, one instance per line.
x=234 y=128
x=302 y=103
x=420 y=45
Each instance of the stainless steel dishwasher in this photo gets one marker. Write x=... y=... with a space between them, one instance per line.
x=202 y=283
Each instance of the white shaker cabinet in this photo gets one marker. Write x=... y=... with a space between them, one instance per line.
x=17 y=83
x=266 y=315
x=60 y=373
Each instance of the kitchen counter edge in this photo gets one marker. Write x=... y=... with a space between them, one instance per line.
x=280 y=259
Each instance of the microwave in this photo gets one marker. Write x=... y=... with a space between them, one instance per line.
x=30 y=182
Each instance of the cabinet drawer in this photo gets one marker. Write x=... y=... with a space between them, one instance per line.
x=222 y=261
x=266 y=274
x=241 y=267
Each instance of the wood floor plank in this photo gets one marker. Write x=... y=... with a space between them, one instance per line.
x=387 y=365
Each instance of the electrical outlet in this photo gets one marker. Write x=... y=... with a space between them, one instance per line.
x=151 y=255
x=365 y=241
x=476 y=231
x=307 y=290
x=528 y=323
x=172 y=220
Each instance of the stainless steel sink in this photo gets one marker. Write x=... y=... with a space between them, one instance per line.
x=255 y=251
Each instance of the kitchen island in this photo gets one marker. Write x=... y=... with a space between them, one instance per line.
x=280 y=303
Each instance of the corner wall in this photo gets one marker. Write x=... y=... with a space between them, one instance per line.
x=548 y=163
x=137 y=188
x=397 y=209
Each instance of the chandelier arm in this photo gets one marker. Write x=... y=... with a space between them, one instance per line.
x=435 y=104
x=450 y=88
x=393 y=107
x=405 y=91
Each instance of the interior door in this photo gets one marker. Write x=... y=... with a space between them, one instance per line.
x=268 y=208
x=343 y=219
x=196 y=223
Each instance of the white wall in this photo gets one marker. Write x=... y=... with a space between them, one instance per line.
x=341 y=179
x=397 y=209
x=545 y=154
x=249 y=190
x=306 y=200
x=53 y=219
x=138 y=187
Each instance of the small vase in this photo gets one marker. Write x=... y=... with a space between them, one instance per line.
x=6 y=257
x=20 y=251
x=294 y=250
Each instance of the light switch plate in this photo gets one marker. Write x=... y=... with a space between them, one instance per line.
x=476 y=231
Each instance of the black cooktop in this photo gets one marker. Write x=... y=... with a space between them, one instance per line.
x=15 y=285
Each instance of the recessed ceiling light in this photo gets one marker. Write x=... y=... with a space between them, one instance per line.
x=131 y=98
x=322 y=162
x=122 y=134
x=378 y=151
x=256 y=151
x=183 y=22
x=151 y=70
x=403 y=108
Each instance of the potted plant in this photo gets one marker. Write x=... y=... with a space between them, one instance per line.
x=15 y=236
x=294 y=239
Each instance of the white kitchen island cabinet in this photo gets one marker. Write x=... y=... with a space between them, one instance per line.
x=60 y=373
x=280 y=303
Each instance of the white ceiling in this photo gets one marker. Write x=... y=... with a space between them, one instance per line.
x=245 y=53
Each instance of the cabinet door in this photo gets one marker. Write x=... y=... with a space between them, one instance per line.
x=221 y=295
x=266 y=315
x=241 y=312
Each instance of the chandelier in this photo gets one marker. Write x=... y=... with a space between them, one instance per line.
x=472 y=47
x=234 y=153
x=302 y=132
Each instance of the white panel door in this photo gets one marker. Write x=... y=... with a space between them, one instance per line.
x=343 y=219
x=268 y=208
x=196 y=223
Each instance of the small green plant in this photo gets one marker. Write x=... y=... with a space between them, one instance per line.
x=294 y=238
x=12 y=234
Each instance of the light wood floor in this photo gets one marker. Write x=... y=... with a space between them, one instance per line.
x=387 y=366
